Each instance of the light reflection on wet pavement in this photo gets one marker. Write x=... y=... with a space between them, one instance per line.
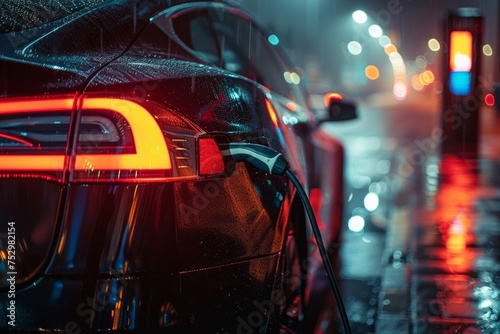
x=422 y=254
x=456 y=270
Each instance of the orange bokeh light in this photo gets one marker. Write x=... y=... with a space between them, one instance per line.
x=372 y=72
x=415 y=81
x=291 y=106
x=391 y=48
x=427 y=77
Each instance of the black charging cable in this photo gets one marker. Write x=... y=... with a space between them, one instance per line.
x=272 y=162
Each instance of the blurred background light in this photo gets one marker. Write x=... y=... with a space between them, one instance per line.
x=427 y=77
x=433 y=44
x=390 y=48
x=429 y=58
x=273 y=39
x=400 y=90
x=371 y=201
x=356 y=223
x=288 y=77
x=383 y=166
x=415 y=82
x=489 y=100
x=360 y=181
x=295 y=78
x=421 y=62
x=375 y=31
x=487 y=50
x=384 y=41
x=359 y=16
x=291 y=106
x=372 y=72
x=396 y=59
x=354 y=48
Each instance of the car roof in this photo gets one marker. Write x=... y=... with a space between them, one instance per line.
x=69 y=44
x=18 y=15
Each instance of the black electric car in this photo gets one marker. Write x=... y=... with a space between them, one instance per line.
x=118 y=211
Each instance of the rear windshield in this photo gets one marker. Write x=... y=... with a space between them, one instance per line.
x=16 y=15
x=73 y=26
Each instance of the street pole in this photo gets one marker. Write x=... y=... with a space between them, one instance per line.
x=462 y=90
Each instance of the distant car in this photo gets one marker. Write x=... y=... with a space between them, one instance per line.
x=117 y=209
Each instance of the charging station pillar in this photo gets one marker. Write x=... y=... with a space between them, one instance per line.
x=462 y=92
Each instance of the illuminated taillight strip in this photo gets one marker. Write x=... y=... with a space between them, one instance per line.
x=151 y=153
x=34 y=162
x=151 y=150
x=272 y=113
x=38 y=105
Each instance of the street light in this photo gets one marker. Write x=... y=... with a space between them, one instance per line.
x=375 y=31
x=359 y=16
x=354 y=48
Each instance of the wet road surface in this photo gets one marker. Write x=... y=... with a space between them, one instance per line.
x=421 y=242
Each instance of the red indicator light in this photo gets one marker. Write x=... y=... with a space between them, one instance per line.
x=211 y=161
x=489 y=100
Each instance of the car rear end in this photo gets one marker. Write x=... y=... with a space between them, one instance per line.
x=121 y=231
x=118 y=211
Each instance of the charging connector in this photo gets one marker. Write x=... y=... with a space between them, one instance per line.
x=270 y=161
x=262 y=157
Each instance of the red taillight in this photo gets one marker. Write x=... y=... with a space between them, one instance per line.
x=32 y=138
x=211 y=161
x=142 y=152
x=115 y=140
x=272 y=113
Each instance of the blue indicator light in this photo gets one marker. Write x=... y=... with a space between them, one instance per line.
x=273 y=39
x=460 y=83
